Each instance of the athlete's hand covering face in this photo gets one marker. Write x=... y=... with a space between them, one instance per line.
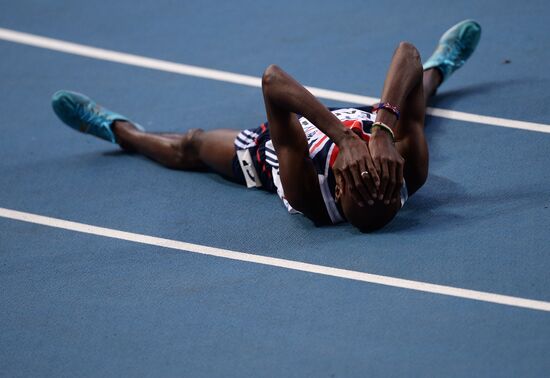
x=353 y=159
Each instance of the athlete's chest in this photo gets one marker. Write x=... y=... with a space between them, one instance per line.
x=320 y=144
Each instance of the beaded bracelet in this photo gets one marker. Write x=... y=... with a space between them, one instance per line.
x=387 y=106
x=384 y=127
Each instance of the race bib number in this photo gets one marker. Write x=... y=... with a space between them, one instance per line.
x=249 y=172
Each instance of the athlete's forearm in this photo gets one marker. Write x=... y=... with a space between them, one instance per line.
x=291 y=96
x=401 y=78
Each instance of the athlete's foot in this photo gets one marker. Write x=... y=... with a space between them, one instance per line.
x=85 y=115
x=455 y=47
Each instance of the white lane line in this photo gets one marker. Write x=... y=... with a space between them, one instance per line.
x=276 y=262
x=252 y=81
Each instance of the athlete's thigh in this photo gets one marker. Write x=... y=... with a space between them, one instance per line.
x=216 y=149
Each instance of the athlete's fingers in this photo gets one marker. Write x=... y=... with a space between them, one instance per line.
x=350 y=185
x=397 y=198
x=368 y=180
x=359 y=185
x=388 y=194
x=373 y=173
x=378 y=168
x=384 y=178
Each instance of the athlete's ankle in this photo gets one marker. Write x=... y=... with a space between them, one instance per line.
x=124 y=131
x=431 y=80
x=119 y=127
x=434 y=75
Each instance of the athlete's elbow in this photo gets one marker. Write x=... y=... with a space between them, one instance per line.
x=271 y=77
x=408 y=49
x=410 y=53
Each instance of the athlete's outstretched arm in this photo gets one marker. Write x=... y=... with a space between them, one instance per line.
x=284 y=98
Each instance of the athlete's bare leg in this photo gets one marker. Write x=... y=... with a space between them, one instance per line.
x=431 y=81
x=194 y=150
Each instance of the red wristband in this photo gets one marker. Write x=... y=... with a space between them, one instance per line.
x=387 y=106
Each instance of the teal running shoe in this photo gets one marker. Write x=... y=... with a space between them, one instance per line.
x=455 y=47
x=84 y=115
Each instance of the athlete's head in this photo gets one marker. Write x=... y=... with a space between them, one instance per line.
x=367 y=218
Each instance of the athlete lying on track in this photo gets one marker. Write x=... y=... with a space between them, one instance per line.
x=354 y=164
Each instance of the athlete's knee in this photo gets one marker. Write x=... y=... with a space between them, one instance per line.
x=186 y=150
x=192 y=142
